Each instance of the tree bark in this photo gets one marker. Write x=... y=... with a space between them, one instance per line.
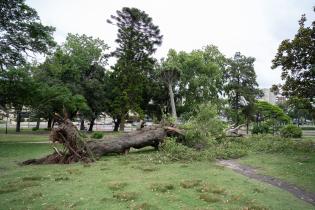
x=116 y=124
x=37 y=123
x=138 y=139
x=82 y=127
x=122 y=123
x=49 y=123
x=18 y=121
x=173 y=107
x=91 y=125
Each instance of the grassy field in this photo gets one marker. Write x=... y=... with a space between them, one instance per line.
x=296 y=168
x=135 y=181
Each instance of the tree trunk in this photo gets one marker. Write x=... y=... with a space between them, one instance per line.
x=49 y=123
x=173 y=107
x=79 y=150
x=237 y=109
x=91 y=125
x=116 y=124
x=37 y=123
x=138 y=139
x=82 y=127
x=122 y=123
x=18 y=121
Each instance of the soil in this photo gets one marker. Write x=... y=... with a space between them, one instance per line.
x=253 y=174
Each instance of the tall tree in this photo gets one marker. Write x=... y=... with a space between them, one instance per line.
x=296 y=58
x=21 y=33
x=16 y=90
x=137 y=39
x=241 y=87
x=79 y=65
x=169 y=74
x=200 y=81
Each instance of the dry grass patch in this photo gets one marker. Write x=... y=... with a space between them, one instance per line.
x=162 y=187
x=74 y=171
x=190 y=183
x=33 y=178
x=144 y=206
x=125 y=196
x=57 y=179
x=209 y=198
x=16 y=186
x=210 y=188
x=117 y=185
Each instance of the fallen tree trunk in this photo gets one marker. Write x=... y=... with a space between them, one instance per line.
x=75 y=148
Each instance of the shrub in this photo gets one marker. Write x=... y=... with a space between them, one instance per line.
x=176 y=151
x=291 y=131
x=35 y=129
x=168 y=120
x=260 y=129
x=204 y=128
x=97 y=135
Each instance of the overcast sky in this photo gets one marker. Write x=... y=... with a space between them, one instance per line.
x=253 y=27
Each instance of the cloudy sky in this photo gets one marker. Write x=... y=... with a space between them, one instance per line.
x=253 y=27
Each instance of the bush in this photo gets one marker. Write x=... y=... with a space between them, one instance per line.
x=260 y=129
x=176 y=151
x=270 y=144
x=168 y=120
x=97 y=135
x=35 y=129
x=291 y=131
x=203 y=129
x=231 y=148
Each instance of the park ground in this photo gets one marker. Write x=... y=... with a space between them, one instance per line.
x=140 y=180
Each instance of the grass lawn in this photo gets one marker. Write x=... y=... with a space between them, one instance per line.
x=296 y=168
x=134 y=181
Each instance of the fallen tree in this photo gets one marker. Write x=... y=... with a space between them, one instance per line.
x=75 y=148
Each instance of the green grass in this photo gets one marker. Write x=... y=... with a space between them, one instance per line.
x=129 y=182
x=296 y=168
x=13 y=138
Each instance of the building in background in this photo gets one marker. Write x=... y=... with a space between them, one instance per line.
x=269 y=96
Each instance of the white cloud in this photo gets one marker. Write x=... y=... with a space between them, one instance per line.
x=253 y=27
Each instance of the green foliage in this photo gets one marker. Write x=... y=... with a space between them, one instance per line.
x=296 y=59
x=97 y=135
x=137 y=39
x=291 y=131
x=200 y=80
x=175 y=151
x=204 y=127
x=260 y=128
x=16 y=88
x=168 y=120
x=241 y=88
x=21 y=32
x=73 y=77
x=271 y=115
x=230 y=148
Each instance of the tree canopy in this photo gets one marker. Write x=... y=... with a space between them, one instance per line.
x=137 y=40
x=21 y=33
x=296 y=58
x=241 y=87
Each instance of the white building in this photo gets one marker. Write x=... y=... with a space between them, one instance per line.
x=269 y=96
